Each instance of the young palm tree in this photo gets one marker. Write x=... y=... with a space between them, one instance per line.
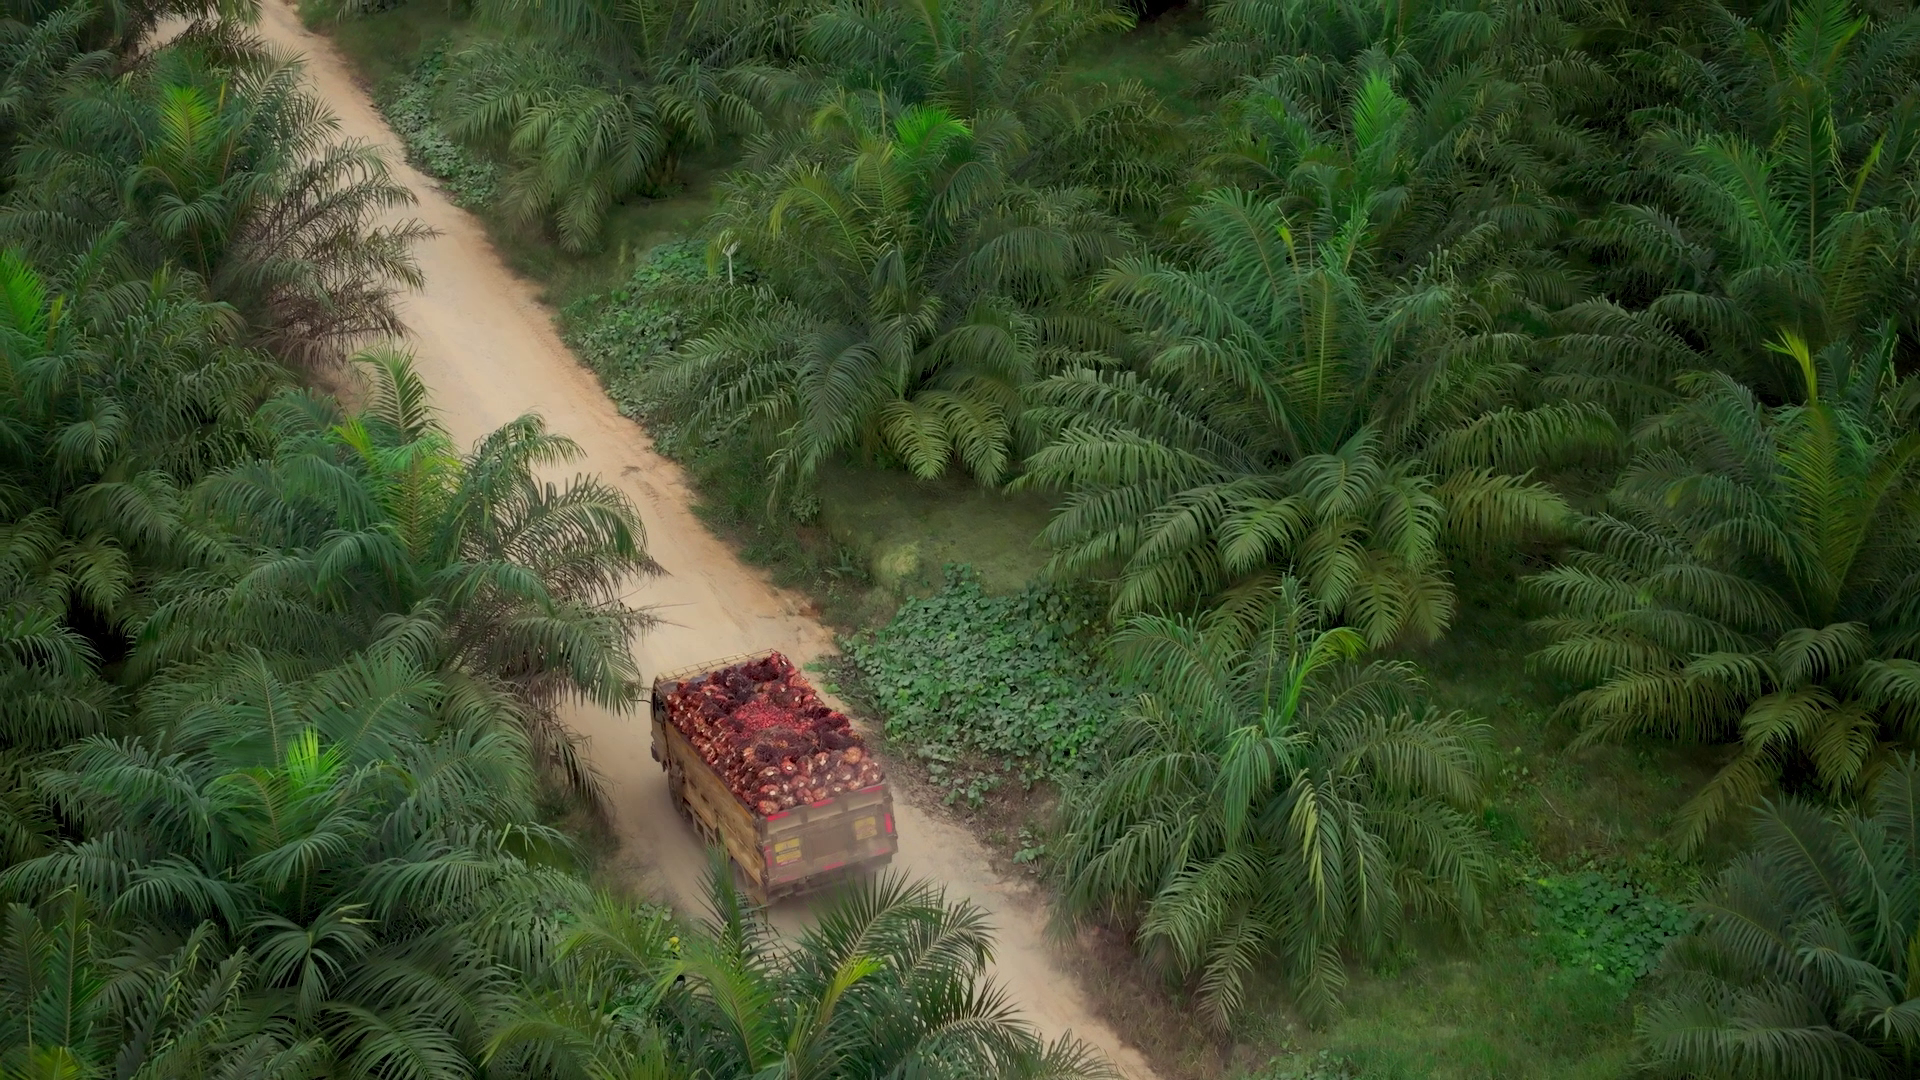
x=368 y=525
x=1804 y=964
x=1273 y=803
x=78 y=999
x=1753 y=581
x=112 y=398
x=888 y=981
x=226 y=166
x=912 y=291
x=1314 y=41
x=1119 y=141
x=1299 y=411
x=1772 y=203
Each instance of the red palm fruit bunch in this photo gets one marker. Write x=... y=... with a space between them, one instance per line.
x=769 y=736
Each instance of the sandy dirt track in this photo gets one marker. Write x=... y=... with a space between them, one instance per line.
x=488 y=349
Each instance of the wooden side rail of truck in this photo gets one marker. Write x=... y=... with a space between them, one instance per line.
x=781 y=854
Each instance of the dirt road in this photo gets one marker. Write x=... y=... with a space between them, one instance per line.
x=489 y=351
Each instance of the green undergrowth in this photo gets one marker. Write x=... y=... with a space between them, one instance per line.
x=987 y=689
x=909 y=529
x=1607 y=925
x=1546 y=991
x=408 y=104
x=385 y=47
x=619 y=333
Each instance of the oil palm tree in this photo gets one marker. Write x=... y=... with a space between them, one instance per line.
x=1118 y=140
x=1002 y=62
x=887 y=981
x=82 y=999
x=1804 y=962
x=341 y=848
x=227 y=167
x=113 y=397
x=1773 y=201
x=40 y=55
x=594 y=102
x=1296 y=409
x=366 y=525
x=1273 y=802
x=1313 y=42
x=911 y=290
x=1752 y=582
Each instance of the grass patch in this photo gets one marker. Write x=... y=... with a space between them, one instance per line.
x=633 y=228
x=910 y=529
x=1607 y=803
x=1492 y=1016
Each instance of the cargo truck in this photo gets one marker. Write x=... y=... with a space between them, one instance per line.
x=781 y=852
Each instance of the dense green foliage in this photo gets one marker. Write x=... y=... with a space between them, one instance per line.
x=1804 y=963
x=1617 y=299
x=1608 y=305
x=972 y=682
x=1272 y=800
x=1603 y=924
x=589 y=102
x=908 y=282
x=1755 y=578
x=283 y=739
x=211 y=157
x=888 y=981
x=409 y=108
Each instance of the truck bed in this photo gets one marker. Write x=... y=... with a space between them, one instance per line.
x=795 y=851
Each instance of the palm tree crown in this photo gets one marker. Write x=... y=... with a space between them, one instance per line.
x=1805 y=963
x=887 y=981
x=1296 y=411
x=1774 y=204
x=225 y=165
x=595 y=101
x=1754 y=580
x=1271 y=799
x=366 y=526
x=909 y=281
x=343 y=845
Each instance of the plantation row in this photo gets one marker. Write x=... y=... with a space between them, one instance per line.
x=280 y=676
x=1614 y=303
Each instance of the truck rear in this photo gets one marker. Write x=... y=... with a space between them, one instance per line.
x=764 y=769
